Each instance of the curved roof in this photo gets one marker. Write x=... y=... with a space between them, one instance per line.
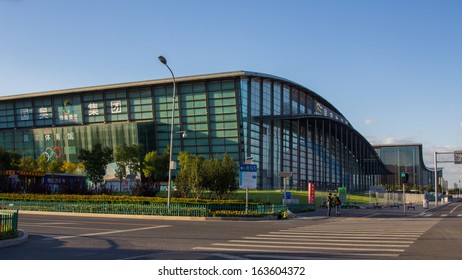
x=312 y=93
x=169 y=80
x=420 y=156
x=367 y=160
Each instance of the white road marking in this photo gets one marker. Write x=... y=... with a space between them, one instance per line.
x=355 y=238
x=107 y=232
x=455 y=208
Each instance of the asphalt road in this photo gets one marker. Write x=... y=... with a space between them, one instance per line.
x=442 y=241
x=357 y=234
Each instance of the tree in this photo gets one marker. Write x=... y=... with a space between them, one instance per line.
x=56 y=166
x=69 y=167
x=182 y=179
x=155 y=166
x=221 y=176
x=96 y=161
x=228 y=175
x=28 y=164
x=9 y=160
x=129 y=157
x=191 y=175
x=212 y=174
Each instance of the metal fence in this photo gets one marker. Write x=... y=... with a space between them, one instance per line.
x=192 y=210
x=8 y=224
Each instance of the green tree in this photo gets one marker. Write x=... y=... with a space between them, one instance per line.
x=9 y=160
x=96 y=161
x=128 y=158
x=155 y=166
x=212 y=174
x=191 y=176
x=42 y=164
x=28 y=164
x=182 y=185
x=228 y=175
x=56 y=166
x=197 y=176
x=221 y=176
x=69 y=167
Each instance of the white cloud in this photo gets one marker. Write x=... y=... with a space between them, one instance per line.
x=398 y=140
x=371 y=122
x=390 y=140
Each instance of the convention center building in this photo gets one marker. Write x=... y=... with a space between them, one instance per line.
x=406 y=158
x=277 y=124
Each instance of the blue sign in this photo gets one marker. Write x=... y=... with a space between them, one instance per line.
x=248 y=176
x=248 y=167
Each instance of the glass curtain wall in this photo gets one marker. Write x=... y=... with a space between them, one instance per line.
x=59 y=126
x=287 y=129
x=405 y=158
x=282 y=126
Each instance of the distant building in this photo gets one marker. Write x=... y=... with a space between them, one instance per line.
x=406 y=158
x=281 y=125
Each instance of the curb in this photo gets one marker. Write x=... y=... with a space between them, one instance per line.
x=23 y=237
x=148 y=217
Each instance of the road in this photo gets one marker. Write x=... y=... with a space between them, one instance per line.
x=358 y=234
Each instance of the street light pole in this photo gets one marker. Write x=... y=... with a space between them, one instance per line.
x=164 y=61
x=435 y=161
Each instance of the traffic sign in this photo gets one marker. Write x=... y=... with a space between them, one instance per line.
x=285 y=174
x=248 y=176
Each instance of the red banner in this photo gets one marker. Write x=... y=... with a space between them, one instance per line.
x=311 y=191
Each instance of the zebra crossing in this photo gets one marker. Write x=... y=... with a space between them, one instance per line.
x=426 y=215
x=348 y=238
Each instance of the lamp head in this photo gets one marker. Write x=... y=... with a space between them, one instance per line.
x=162 y=59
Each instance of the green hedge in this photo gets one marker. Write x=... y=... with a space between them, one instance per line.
x=114 y=199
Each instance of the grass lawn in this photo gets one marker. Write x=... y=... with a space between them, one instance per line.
x=275 y=197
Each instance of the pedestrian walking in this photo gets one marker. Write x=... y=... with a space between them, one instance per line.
x=329 y=203
x=337 y=202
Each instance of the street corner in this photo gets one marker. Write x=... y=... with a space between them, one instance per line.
x=22 y=238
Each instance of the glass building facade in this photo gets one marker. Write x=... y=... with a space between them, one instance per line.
x=409 y=159
x=281 y=125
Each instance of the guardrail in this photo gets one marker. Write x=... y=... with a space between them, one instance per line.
x=8 y=224
x=194 y=210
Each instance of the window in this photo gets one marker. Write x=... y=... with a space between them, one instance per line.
x=67 y=110
x=116 y=106
x=6 y=115
x=140 y=104
x=93 y=106
x=24 y=113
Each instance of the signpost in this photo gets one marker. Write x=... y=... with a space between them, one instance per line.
x=286 y=175
x=456 y=160
x=458 y=157
x=342 y=194
x=247 y=180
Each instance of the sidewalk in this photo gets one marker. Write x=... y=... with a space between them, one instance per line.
x=367 y=211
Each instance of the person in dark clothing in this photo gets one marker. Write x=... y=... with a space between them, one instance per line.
x=336 y=201
x=329 y=204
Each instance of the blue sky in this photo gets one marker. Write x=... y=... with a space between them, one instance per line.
x=392 y=67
